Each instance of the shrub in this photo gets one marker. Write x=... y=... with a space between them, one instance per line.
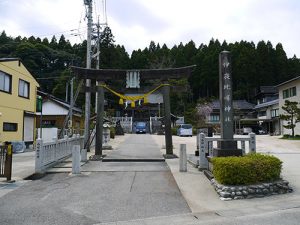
x=174 y=130
x=249 y=169
x=112 y=132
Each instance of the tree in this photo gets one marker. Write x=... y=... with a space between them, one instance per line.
x=204 y=109
x=293 y=115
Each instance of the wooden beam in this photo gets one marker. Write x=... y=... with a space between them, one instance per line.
x=116 y=74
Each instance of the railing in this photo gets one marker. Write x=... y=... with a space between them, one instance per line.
x=206 y=145
x=50 y=153
x=126 y=123
x=6 y=161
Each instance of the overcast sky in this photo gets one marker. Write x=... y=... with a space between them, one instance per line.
x=135 y=23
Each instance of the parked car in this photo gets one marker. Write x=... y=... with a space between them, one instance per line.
x=140 y=128
x=185 y=130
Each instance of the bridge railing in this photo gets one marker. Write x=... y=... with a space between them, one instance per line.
x=50 y=153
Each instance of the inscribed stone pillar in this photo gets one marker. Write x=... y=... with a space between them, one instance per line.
x=227 y=146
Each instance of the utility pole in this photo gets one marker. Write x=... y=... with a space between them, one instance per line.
x=70 y=124
x=67 y=91
x=97 y=60
x=88 y=3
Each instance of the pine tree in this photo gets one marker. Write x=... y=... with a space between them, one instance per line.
x=293 y=115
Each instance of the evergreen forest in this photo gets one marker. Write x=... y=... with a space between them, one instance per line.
x=253 y=65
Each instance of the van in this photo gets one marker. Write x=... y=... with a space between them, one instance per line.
x=140 y=128
x=185 y=130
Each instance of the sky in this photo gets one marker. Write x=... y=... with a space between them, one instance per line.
x=135 y=23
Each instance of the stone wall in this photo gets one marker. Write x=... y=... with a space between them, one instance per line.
x=230 y=192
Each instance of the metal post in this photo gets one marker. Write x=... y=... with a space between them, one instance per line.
x=88 y=81
x=99 y=121
x=168 y=132
x=182 y=158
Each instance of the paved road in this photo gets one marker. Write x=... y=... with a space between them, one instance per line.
x=107 y=192
x=136 y=147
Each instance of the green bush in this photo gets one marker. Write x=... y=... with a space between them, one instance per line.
x=249 y=169
x=174 y=130
x=112 y=132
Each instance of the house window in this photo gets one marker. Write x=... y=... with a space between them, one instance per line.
x=10 y=126
x=214 y=118
x=23 y=88
x=5 y=82
x=274 y=113
x=290 y=92
x=262 y=113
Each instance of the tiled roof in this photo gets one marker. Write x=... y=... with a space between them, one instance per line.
x=296 y=78
x=265 y=104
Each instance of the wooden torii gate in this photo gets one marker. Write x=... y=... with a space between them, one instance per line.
x=103 y=75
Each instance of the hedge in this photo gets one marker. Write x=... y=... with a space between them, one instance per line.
x=249 y=169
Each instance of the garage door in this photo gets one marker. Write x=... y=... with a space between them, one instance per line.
x=28 y=128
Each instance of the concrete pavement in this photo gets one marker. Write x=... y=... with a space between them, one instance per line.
x=137 y=194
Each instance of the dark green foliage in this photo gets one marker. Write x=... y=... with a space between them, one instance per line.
x=252 y=65
x=174 y=130
x=112 y=132
x=249 y=169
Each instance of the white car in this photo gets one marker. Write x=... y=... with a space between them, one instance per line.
x=185 y=130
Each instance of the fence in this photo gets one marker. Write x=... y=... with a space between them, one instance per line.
x=206 y=146
x=155 y=123
x=6 y=161
x=126 y=123
x=50 y=153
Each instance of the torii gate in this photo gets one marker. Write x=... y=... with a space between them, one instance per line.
x=102 y=75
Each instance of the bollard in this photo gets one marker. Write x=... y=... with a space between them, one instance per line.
x=76 y=159
x=182 y=158
x=83 y=154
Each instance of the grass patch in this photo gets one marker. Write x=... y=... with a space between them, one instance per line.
x=289 y=137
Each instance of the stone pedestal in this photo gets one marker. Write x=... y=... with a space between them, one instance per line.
x=227 y=148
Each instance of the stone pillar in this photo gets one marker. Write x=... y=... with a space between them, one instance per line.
x=168 y=132
x=252 y=143
x=182 y=158
x=39 y=156
x=76 y=159
x=99 y=120
x=203 y=162
x=227 y=146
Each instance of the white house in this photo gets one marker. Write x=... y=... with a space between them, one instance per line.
x=289 y=90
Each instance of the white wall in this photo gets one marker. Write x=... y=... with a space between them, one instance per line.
x=294 y=99
x=50 y=108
